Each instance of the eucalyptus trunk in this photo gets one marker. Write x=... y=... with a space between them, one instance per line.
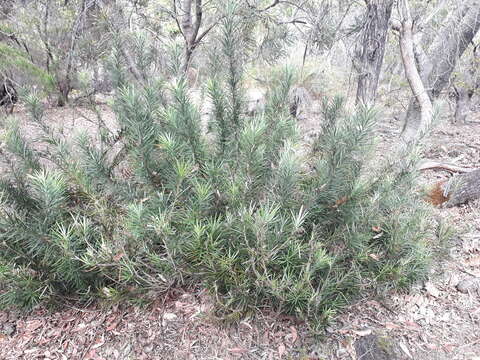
x=370 y=56
x=466 y=87
x=447 y=48
x=463 y=101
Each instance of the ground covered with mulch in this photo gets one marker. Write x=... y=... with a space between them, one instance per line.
x=438 y=319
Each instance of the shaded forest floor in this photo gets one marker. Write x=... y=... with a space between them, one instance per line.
x=433 y=321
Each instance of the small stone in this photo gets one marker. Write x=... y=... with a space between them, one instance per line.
x=329 y=330
x=169 y=317
x=3 y=317
x=148 y=348
x=469 y=285
x=13 y=316
x=8 y=329
x=374 y=347
x=432 y=290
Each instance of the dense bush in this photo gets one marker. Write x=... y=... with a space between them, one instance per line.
x=240 y=208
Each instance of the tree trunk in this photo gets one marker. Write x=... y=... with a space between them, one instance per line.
x=447 y=48
x=8 y=95
x=466 y=88
x=373 y=49
x=64 y=88
x=463 y=100
x=412 y=120
x=187 y=30
x=462 y=188
x=424 y=108
x=190 y=29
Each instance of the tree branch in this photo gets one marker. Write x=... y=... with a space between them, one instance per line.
x=275 y=3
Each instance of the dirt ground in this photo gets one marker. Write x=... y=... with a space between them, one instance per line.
x=433 y=321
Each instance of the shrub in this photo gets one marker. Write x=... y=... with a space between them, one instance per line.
x=240 y=210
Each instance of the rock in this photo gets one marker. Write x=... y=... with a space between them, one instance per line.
x=13 y=316
x=8 y=329
x=469 y=285
x=374 y=347
x=148 y=347
x=431 y=289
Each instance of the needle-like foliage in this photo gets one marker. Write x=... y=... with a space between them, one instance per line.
x=240 y=209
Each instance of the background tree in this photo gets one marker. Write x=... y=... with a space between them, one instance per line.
x=466 y=82
x=405 y=28
x=436 y=66
x=372 y=48
x=53 y=35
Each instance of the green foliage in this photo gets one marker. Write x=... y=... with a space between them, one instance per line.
x=14 y=59
x=239 y=209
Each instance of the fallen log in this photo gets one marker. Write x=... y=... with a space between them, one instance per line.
x=462 y=188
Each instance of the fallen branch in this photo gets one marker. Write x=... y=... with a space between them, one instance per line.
x=434 y=165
